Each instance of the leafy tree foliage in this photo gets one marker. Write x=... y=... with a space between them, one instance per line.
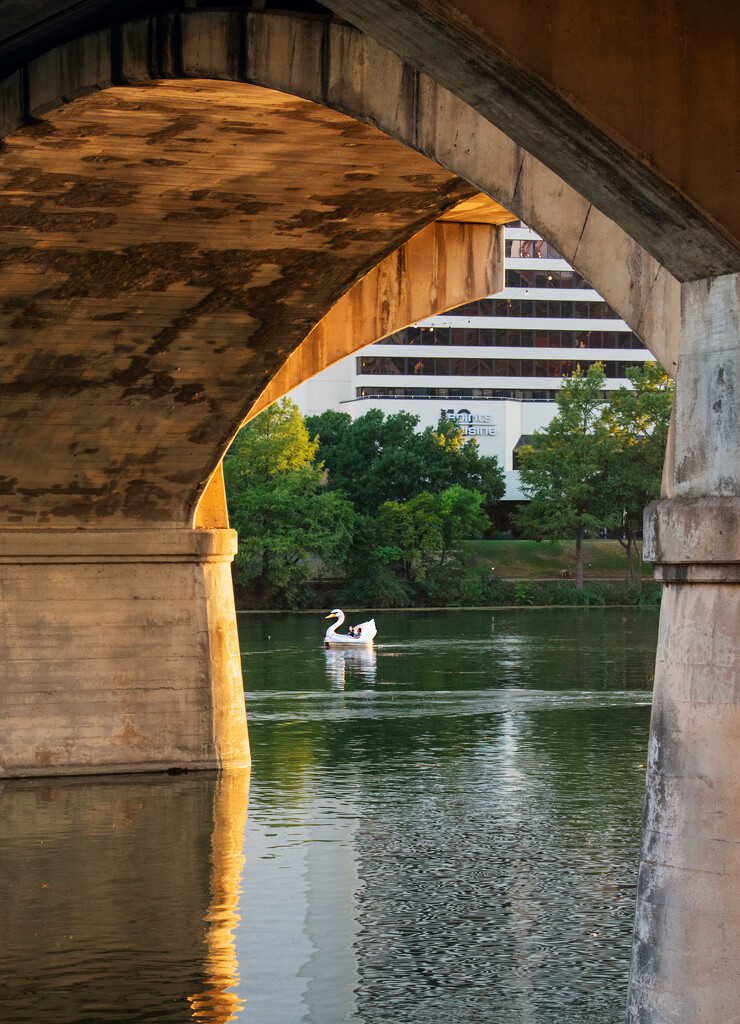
x=637 y=420
x=425 y=528
x=375 y=459
x=275 y=442
x=277 y=504
x=563 y=469
x=374 y=573
x=597 y=465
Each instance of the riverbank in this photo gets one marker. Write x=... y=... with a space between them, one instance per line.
x=437 y=608
x=491 y=592
x=488 y=574
x=543 y=560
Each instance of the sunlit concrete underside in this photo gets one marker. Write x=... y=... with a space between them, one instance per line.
x=448 y=263
x=624 y=100
x=162 y=250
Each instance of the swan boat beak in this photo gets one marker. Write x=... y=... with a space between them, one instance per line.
x=331 y=615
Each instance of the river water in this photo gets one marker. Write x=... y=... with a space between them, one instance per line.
x=443 y=829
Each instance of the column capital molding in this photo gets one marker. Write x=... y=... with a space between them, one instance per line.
x=693 y=540
x=59 y=546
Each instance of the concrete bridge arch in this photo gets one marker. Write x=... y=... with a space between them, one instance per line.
x=337 y=66
x=80 y=363
x=691 y=327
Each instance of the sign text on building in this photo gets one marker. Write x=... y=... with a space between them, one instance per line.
x=474 y=424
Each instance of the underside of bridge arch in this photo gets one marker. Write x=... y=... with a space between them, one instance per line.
x=188 y=198
x=164 y=248
x=172 y=243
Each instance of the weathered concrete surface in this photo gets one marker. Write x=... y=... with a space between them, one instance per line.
x=212 y=512
x=707 y=454
x=443 y=266
x=621 y=100
x=686 y=953
x=134 y=222
x=161 y=252
x=694 y=539
x=335 y=65
x=119 y=652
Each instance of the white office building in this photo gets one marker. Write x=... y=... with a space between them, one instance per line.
x=494 y=365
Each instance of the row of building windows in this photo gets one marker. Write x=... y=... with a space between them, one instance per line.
x=531 y=279
x=407 y=366
x=534 y=278
x=455 y=394
x=530 y=248
x=557 y=308
x=486 y=337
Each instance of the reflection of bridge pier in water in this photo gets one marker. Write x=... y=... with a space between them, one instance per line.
x=121 y=893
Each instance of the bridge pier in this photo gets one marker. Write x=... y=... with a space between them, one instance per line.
x=119 y=652
x=686 y=951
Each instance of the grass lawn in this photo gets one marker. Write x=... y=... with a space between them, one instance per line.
x=531 y=559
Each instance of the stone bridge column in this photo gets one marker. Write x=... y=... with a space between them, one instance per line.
x=119 y=652
x=686 y=952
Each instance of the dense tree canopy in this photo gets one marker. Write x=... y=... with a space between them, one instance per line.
x=596 y=465
x=387 y=520
x=381 y=509
x=637 y=420
x=278 y=506
x=426 y=527
x=378 y=458
x=562 y=469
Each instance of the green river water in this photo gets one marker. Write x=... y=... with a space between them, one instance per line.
x=443 y=829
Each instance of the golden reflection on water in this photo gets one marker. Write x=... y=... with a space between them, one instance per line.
x=218 y=1003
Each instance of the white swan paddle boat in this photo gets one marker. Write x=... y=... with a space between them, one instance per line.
x=364 y=632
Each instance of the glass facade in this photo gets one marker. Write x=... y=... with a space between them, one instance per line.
x=439 y=366
x=531 y=395
x=522 y=317
x=496 y=337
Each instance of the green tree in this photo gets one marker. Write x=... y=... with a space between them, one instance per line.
x=426 y=528
x=277 y=441
x=330 y=427
x=415 y=528
x=374 y=574
x=563 y=469
x=284 y=516
x=463 y=516
x=637 y=420
x=450 y=458
x=375 y=459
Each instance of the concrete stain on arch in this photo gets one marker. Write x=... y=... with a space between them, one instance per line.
x=190 y=270
x=34 y=218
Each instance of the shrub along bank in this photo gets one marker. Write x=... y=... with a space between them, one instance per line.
x=471 y=590
x=477 y=589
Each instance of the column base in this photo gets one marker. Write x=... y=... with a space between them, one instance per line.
x=119 y=652
x=686 y=949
